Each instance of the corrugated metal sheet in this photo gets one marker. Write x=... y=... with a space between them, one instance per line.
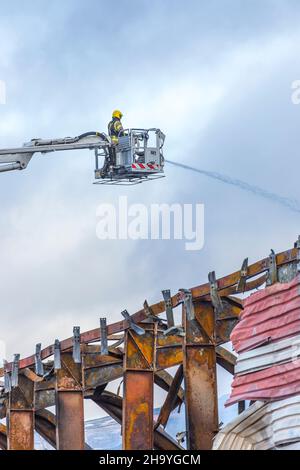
x=269 y=384
x=280 y=352
x=263 y=426
x=269 y=315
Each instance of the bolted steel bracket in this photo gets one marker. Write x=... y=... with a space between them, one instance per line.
x=133 y=326
x=176 y=330
x=272 y=269
x=7 y=378
x=39 y=367
x=76 y=345
x=243 y=277
x=103 y=333
x=188 y=303
x=57 y=359
x=214 y=294
x=168 y=307
x=149 y=314
x=15 y=371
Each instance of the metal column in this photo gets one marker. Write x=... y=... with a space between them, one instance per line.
x=199 y=362
x=69 y=405
x=20 y=415
x=137 y=419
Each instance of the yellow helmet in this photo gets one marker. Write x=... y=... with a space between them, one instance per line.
x=117 y=114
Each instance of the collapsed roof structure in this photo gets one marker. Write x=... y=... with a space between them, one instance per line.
x=143 y=346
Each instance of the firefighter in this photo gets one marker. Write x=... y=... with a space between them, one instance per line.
x=115 y=128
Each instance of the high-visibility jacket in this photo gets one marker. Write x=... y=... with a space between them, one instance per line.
x=115 y=129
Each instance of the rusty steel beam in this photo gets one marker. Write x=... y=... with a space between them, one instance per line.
x=227 y=282
x=137 y=422
x=69 y=405
x=32 y=375
x=112 y=405
x=45 y=391
x=45 y=425
x=226 y=359
x=3 y=437
x=113 y=350
x=3 y=406
x=225 y=320
x=164 y=380
x=44 y=399
x=20 y=415
x=171 y=400
x=100 y=369
x=168 y=351
x=199 y=362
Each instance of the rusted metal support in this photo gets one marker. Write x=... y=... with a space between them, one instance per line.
x=164 y=380
x=100 y=369
x=171 y=400
x=168 y=350
x=3 y=437
x=69 y=404
x=20 y=414
x=112 y=404
x=199 y=365
x=45 y=425
x=226 y=359
x=137 y=420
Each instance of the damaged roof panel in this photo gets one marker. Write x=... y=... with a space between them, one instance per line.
x=276 y=382
x=279 y=352
x=269 y=315
x=263 y=426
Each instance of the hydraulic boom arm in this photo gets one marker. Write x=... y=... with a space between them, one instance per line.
x=18 y=158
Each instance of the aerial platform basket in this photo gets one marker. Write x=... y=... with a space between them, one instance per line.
x=137 y=158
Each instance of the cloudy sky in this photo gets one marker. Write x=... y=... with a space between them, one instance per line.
x=215 y=75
